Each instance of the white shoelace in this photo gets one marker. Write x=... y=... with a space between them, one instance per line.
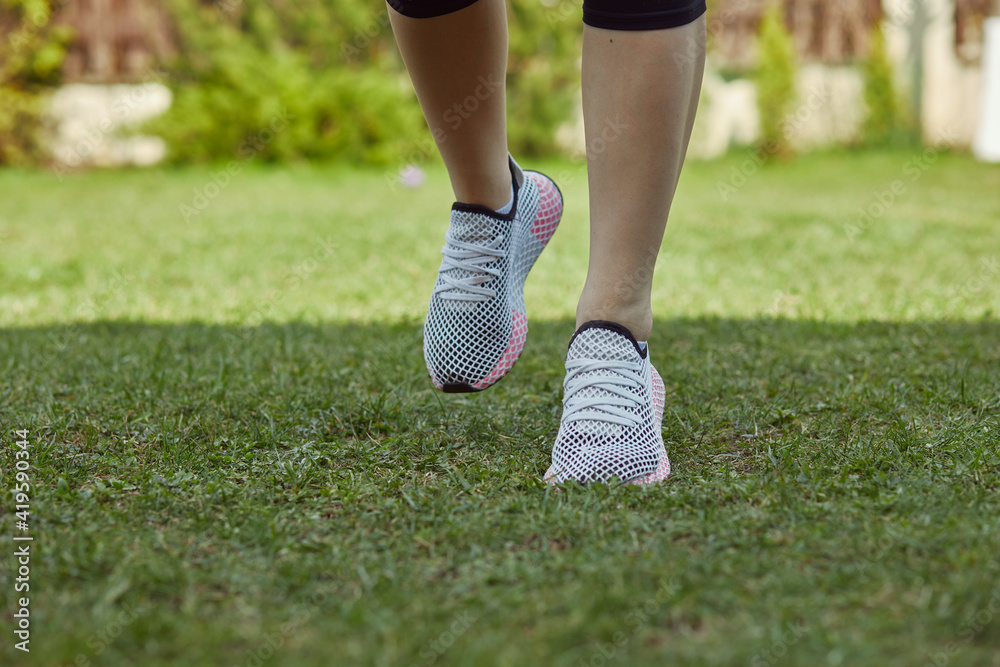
x=472 y=258
x=623 y=389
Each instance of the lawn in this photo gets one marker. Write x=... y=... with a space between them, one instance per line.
x=236 y=458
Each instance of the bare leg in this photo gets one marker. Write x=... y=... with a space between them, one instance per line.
x=640 y=93
x=458 y=65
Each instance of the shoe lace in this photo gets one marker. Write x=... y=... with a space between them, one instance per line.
x=618 y=399
x=473 y=259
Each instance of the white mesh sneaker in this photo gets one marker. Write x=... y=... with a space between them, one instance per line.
x=612 y=411
x=476 y=324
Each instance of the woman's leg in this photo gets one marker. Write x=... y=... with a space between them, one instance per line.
x=640 y=93
x=476 y=326
x=458 y=65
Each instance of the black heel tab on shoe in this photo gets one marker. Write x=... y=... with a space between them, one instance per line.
x=611 y=326
x=515 y=172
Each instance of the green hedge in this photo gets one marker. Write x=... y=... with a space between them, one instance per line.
x=321 y=79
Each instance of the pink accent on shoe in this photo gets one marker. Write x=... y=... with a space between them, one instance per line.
x=659 y=400
x=659 y=395
x=550 y=207
x=518 y=334
x=662 y=471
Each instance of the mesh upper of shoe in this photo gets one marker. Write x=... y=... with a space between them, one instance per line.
x=612 y=412
x=476 y=323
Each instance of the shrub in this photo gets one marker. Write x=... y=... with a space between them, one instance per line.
x=542 y=73
x=885 y=118
x=31 y=57
x=282 y=81
x=321 y=79
x=775 y=82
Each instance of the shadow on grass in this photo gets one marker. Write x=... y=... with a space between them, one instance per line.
x=201 y=464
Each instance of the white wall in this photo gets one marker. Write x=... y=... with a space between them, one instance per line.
x=88 y=123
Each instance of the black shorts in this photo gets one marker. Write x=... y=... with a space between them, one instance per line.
x=607 y=14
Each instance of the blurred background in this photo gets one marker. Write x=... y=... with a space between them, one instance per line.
x=94 y=83
x=242 y=162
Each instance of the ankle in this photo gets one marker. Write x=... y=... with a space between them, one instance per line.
x=638 y=319
x=490 y=190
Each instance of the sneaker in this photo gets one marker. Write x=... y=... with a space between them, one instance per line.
x=476 y=324
x=612 y=411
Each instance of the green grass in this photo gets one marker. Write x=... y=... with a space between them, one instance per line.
x=234 y=443
x=333 y=244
